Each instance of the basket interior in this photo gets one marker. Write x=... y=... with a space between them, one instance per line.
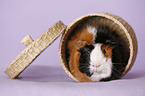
x=95 y=21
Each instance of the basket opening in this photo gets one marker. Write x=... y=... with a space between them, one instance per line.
x=99 y=21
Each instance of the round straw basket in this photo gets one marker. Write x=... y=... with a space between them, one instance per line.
x=115 y=23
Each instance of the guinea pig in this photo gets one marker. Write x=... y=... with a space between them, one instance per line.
x=103 y=60
x=95 y=53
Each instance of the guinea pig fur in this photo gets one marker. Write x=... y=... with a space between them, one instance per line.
x=96 y=52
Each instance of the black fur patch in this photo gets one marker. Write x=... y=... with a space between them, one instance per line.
x=105 y=36
x=85 y=59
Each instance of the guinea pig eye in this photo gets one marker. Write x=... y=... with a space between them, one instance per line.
x=104 y=51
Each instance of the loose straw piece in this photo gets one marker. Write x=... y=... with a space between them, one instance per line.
x=28 y=55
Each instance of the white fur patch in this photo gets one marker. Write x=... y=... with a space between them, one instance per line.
x=100 y=66
x=93 y=31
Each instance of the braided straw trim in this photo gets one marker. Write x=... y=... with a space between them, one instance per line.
x=127 y=33
x=28 y=55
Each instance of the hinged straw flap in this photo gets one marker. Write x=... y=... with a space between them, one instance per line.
x=34 y=48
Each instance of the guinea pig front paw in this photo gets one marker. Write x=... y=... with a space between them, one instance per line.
x=99 y=76
x=95 y=77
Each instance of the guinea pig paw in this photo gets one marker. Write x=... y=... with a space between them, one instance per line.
x=95 y=77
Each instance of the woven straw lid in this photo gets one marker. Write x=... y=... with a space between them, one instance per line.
x=34 y=49
x=116 y=23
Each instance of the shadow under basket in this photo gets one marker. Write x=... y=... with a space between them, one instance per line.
x=114 y=23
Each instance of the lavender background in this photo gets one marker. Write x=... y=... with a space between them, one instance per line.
x=45 y=75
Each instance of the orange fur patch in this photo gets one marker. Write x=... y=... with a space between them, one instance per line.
x=77 y=41
x=108 y=50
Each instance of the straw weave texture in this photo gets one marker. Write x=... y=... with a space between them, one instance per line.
x=34 y=49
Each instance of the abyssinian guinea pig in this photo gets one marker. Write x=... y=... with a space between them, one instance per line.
x=96 y=54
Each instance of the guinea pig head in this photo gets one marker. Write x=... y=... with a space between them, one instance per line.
x=100 y=58
x=96 y=61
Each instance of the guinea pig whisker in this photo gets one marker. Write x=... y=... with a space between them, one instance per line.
x=118 y=63
x=114 y=42
x=122 y=68
x=115 y=75
x=116 y=70
x=84 y=57
x=82 y=67
x=85 y=69
x=84 y=63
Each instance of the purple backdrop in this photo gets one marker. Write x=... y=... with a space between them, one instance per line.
x=21 y=17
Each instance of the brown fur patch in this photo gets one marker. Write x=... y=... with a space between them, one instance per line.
x=77 y=41
x=107 y=49
x=80 y=39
